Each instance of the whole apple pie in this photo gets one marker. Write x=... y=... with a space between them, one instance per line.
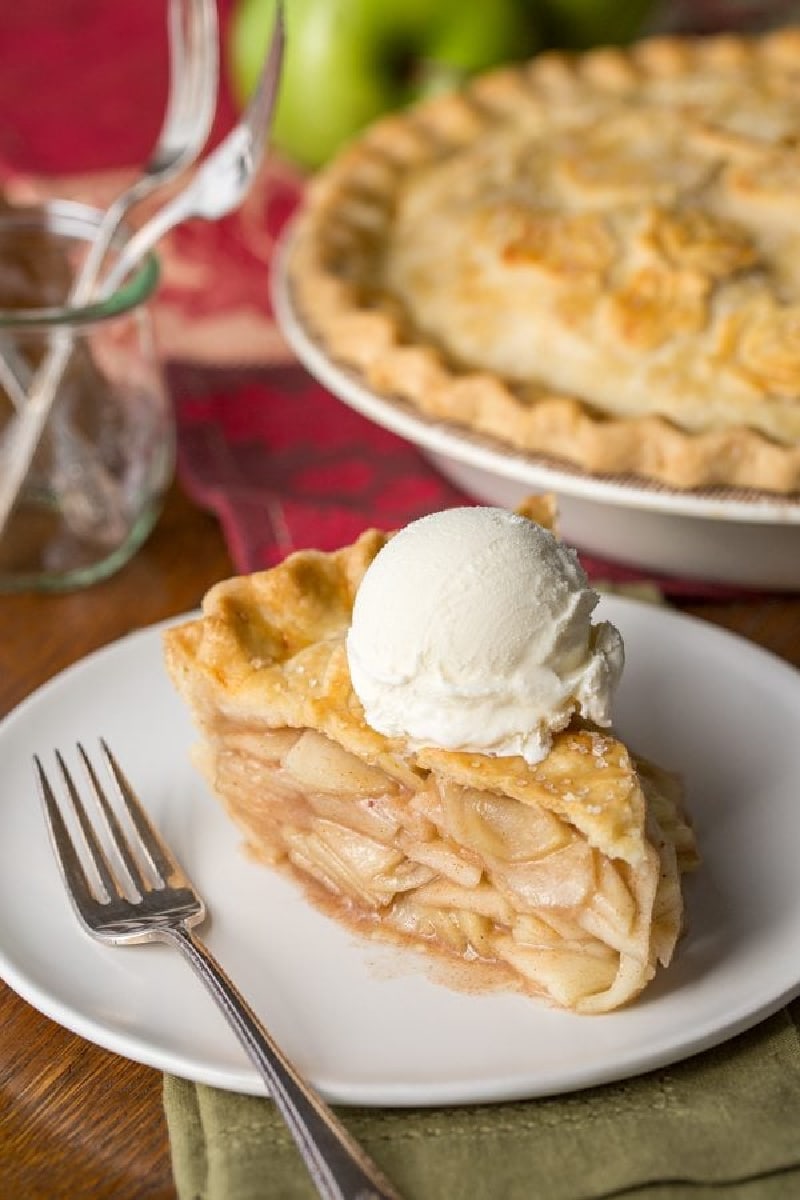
x=592 y=258
x=552 y=862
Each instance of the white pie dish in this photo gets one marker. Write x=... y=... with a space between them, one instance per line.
x=721 y=536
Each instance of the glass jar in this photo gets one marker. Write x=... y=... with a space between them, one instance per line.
x=106 y=453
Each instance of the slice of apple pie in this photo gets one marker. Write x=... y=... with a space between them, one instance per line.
x=561 y=876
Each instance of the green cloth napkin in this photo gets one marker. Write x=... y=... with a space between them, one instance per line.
x=725 y=1123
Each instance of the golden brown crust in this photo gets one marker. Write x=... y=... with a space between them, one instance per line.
x=635 y=208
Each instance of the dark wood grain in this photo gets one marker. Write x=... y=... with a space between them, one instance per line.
x=75 y=1120
x=769 y=621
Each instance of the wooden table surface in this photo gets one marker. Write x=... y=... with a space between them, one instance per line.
x=75 y=1120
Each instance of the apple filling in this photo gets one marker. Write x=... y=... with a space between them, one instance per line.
x=461 y=870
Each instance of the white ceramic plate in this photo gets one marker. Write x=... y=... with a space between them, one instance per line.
x=371 y=1025
x=723 y=537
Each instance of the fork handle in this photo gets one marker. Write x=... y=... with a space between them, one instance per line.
x=338 y=1166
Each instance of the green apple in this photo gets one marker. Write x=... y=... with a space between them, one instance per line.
x=579 y=24
x=348 y=61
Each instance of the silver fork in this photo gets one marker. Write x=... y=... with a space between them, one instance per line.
x=191 y=104
x=223 y=179
x=145 y=896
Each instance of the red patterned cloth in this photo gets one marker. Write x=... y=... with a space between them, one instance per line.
x=281 y=462
x=285 y=465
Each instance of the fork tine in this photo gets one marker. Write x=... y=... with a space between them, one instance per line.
x=68 y=859
x=176 y=41
x=118 y=838
x=204 y=46
x=259 y=110
x=182 y=35
x=199 y=48
x=96 y=852
x=163 y=863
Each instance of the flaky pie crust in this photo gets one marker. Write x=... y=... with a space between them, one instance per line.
x=594 y=257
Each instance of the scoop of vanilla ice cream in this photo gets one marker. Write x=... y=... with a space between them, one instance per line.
x=472 y=630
